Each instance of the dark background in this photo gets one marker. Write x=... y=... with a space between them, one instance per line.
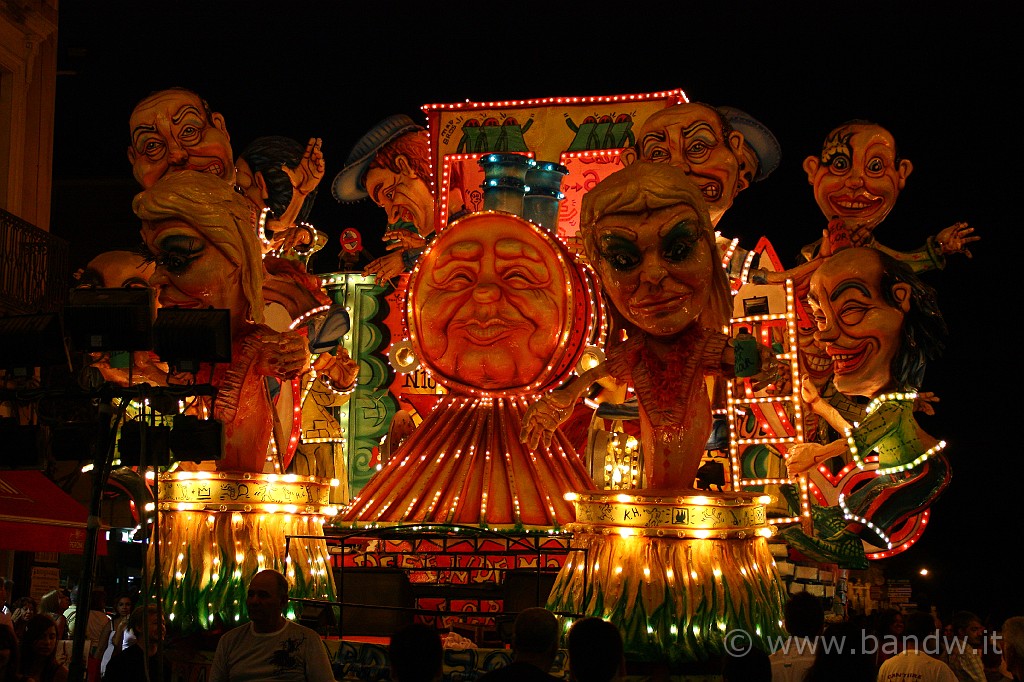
x=944 y=78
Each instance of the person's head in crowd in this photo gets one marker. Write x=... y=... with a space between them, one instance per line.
x=415 y=654
x=1013 y=646
x=753 y=665
x=968 y=625
x=803 y=615
x=38 y=649
x=52 y=602
x=595 y=651
x=266 y=600
x=889 y=622
x=145 y=622
x=123 y=606
x=25 y=609
x=918 y=626
x=854 y=663
x=535 y=637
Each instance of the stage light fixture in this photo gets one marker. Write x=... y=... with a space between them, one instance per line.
x=21 y=443
x=129 y=445
x=110 y=319
x=183 y=338
x=196 y=440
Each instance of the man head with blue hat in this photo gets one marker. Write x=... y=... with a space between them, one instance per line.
x=390 y=164
x=761 y=151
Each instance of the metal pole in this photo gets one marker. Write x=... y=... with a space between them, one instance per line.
x=101 y=469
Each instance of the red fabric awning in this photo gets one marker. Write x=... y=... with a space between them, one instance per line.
x=37 y=516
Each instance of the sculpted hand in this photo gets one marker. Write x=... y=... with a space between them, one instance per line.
x=284 y=355
x=774 y=372
x=307 y=175
x=955 y=238
x=808 y=391
x=923 y=403
x=291 y=237
x=543 y=417
x=340 y=370
x=385 y=268
x=404 y=239
x=861 y=234
x=802 y=457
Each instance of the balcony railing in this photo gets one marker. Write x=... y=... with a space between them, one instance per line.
x=34 y=274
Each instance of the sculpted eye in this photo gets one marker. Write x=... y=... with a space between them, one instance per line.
x=840 y=163
x=853 y=313
x=457 y=279
x=657 y=154
x=520 y=278
x=175 y=262
x=620 y=260
x=876 y=165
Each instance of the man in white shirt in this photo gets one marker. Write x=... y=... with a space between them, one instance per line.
x=269 y=646
x=803 y=618
x=920 y=638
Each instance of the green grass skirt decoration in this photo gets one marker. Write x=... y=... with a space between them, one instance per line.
x=208 y=557
x=679 y=600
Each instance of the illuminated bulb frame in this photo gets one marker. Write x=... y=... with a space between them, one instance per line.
x=793 y=426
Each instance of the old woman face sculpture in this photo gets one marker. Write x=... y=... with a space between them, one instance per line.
x=492 y=302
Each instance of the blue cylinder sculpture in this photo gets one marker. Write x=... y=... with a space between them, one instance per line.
x=543 y=192
x=504 y=185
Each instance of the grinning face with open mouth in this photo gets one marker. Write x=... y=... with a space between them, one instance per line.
x=857 y=326
x=857 y=177
x=173 y=130
x=492 y=302
x=691 y=137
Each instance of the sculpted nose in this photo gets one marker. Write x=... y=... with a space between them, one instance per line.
x=829 y=333
x=486 y=293
x=177 y=156
x=652 y=270
x=854 y=178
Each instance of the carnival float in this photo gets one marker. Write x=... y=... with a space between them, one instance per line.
x=558 y=351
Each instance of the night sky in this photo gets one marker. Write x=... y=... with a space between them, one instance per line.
x=942 y=80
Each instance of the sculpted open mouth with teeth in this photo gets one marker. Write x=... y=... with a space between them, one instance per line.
x=856 y=204
x=816 y=364
x=846 y=360
x=712 y=191
x=215 y=167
